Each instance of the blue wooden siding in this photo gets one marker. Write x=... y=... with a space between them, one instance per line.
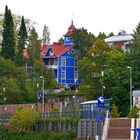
x=68 y=69
x=68 y=41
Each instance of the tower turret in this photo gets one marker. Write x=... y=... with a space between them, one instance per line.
x=68 y=41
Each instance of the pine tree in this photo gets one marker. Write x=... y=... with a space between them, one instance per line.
x=8 y=41
x=134 y=57
x=135 y=47
x=34 y=47
x=114 y=111
x=22 y=37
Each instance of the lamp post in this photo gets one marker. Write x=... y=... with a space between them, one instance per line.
x=42 y=77
x=102 y=74
x=130 y=75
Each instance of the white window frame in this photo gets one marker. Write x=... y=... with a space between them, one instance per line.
x=64 y=62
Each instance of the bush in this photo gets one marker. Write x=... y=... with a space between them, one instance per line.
x=114 y=111
x=134 y=112
x=24 y=118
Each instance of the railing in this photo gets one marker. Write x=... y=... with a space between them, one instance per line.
x=5 y=116
x=71 y=114
x=61 y=114
x=52 y=66
x=81 y=114
x=106 y=125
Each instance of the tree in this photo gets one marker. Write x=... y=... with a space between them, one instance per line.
x=22 y=37
x=61 y=40
x=83 y=41
x=50 y=80
x=34 y=47
x=115 y=81
x=8 y=39
x=101 y=36
x=93 y=64
x=134 y=112
x=24 y=118
x=133 y=57
x=114 y=111
x=46 y=35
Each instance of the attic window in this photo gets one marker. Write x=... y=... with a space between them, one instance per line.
x=51 y=53
x=45 y=52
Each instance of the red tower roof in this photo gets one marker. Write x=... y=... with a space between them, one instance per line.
x=70 y=29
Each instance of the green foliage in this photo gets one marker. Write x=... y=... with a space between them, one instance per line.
x=19 y=89
x=133 y=57
x=114 y=111
x=9 y=134
x=101 y=36
x=50 y=80
x=116 y=75
x=83 y=40
x=34 y=47
x=134 y=112
x=23 y=118
x=8 y=39
x=22 y=37
x=61 y=40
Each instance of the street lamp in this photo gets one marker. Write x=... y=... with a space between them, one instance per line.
x=130 y=75
x=102 y=74
x=42 y=77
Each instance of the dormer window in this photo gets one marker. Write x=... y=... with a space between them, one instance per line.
x=45 y=52
x=51 y=53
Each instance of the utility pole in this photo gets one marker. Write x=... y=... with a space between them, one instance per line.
x=42 y=77
x=130 y=75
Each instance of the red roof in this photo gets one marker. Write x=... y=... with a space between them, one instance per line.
x=70 y=30
x=57 y=48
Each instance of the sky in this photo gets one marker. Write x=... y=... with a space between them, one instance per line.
x=94 y=15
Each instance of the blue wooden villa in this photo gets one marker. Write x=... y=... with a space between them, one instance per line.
x=63 y=59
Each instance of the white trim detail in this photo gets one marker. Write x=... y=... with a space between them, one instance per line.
x=132 y=127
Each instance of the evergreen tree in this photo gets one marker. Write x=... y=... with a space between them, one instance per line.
x=22 y=37
x=83 y=40
x=134 y=57
x=114 y=111
x=33 y=48
x=8 y=42
x=101 y=36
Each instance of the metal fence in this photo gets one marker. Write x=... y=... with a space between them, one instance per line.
x=73 y=114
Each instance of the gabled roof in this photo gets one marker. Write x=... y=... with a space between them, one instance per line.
x=57 y=48
x=118 y=38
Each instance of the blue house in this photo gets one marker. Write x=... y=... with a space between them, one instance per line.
x=63 y=59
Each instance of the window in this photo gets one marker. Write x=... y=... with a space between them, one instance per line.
x=75 y=62
x=63 y=75
x=72 y=51
x=51 y=53
x=63 y=62
x=51 y=61
x=76 y=75
x=136 y=100
x=68 y=52
x=55 y=61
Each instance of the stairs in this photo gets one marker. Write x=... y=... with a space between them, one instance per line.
x=119 y=129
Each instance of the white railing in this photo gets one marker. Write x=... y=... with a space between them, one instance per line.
x=52 y=66
x=106 y=126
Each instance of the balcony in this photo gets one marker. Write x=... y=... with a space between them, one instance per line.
x=52 y=66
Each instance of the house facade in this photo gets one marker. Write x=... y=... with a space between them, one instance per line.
x=63 y=59
x=122 y=41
